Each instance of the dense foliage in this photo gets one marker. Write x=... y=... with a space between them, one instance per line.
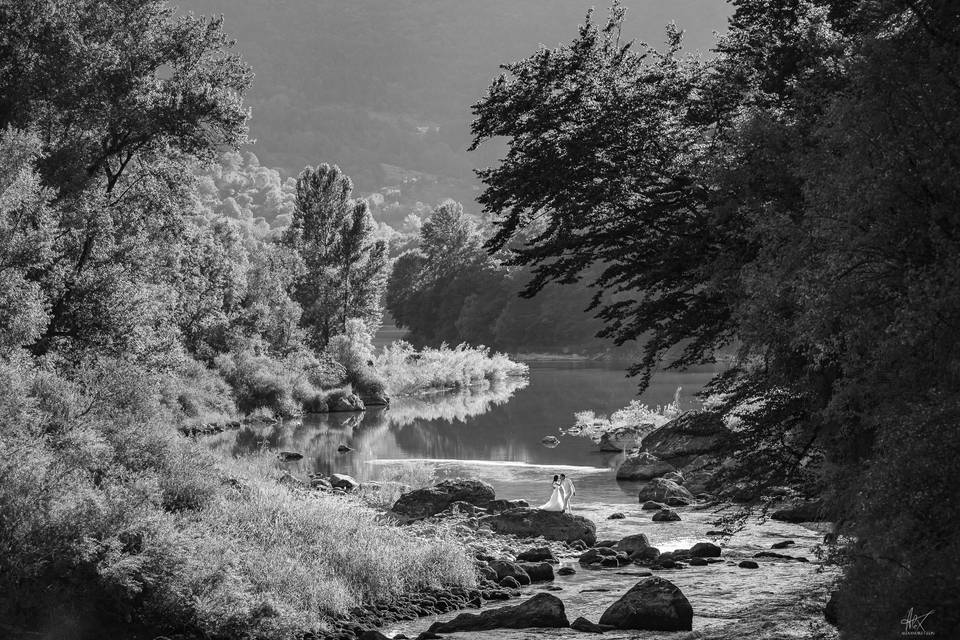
x=794 y=196
x=139 y=294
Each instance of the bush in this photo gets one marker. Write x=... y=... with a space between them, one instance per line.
x=407 y=371
x=353 y=349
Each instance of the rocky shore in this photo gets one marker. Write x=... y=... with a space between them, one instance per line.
x=517 y=549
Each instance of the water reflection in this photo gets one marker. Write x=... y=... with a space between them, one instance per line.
x=493 y=433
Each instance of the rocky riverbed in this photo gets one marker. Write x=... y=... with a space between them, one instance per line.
x=781 y=598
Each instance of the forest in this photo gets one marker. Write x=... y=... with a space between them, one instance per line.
x=791 y=198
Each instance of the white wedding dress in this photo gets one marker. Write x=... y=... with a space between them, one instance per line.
x=555 y=503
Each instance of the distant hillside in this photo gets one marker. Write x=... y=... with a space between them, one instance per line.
x=368 y=83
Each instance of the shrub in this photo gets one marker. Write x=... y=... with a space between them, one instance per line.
x=407 y=371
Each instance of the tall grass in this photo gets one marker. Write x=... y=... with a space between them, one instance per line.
x=407 y=371
x=110 y=520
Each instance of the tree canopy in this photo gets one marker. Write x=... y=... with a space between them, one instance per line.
x=793 y=196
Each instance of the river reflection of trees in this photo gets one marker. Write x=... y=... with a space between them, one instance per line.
x=408 y=428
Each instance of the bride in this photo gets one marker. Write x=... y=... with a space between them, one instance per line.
x=555 y=503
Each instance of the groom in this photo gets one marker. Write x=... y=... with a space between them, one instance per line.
x=567 y=490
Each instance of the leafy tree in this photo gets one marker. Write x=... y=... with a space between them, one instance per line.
x=123 y=94
x=27 y=230
x=794 y=196
x=344 y=268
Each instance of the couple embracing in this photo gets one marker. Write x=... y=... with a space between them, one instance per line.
x=563 y=491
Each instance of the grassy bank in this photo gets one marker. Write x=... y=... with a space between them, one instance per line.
x=112 y=520
x=407 y=371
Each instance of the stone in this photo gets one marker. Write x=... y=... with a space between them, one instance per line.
x=584 y=625
x=654 y=604
x=462 y=507
x=427 y=635
x=375 y=399
x=423 y=503
x=505 y=568
x=698 y=562
x=643 y=466
x=550 y=442
x=344 y=448
x=646 y=555
x=677 y=501
x=666 y=515
x=566 y=571
x=537 y=554
x=538 y=571
x=778 y=556
x=578 y=545
x=609 y=444
x=659 y=490
x=509 y=582
x=674 y=476
x=650 y=505
x=799 y=511
x=345 y=402
x=496 y=506
x=633 y=544
x=704 y=550
x=551 y=525
x=343 y=481
x=616 y=515
x=321 y=483
x=372 y=634
x=691 y=434
x=748 y=564
x=783 y=544
x=289 y=456
x=543 y=610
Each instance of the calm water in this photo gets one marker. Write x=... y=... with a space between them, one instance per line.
x=493 y=433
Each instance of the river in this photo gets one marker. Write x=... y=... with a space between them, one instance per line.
x=494 y=433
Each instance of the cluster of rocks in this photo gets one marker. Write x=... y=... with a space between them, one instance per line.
x=636 y=549
x=654 y=604
x=507 y=517
x=686 y=451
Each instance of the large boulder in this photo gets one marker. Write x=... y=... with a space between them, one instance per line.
x=799 y=511
x=705 y=550
x=691 y=434
x=538 y=571
x=343 y=481
x=507 y=569
x=344 y=402
x=633 y=544
x=662 y=490
x=422 y=503
x=551 y=525
x=543 y=610
x=537 y=554
x=496 y=506
x=652 y=604
x=643 y=466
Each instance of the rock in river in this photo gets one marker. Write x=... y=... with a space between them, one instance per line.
x=542 y=610
x=655 y=604
x=550 y=442
x=666 y=515
x=423 y=503
x=643 y=466
x=552 y=525
x=289 y=456
x=661 y=490
x=633 y=544
x=691 y=434
x=705 y=550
